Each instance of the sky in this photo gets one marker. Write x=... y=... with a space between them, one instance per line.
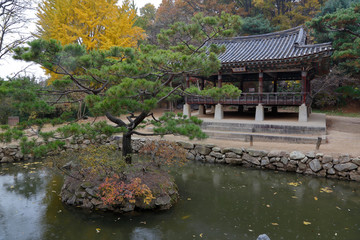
x=10 y=67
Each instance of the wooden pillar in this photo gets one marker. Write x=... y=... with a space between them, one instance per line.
x=261 y=82
x=275 y=83
x=187 y=80
x=303 y=85
x=219 y=80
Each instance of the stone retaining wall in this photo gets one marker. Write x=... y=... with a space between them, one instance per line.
x=343 y=167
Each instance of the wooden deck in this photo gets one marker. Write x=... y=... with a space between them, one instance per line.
x=269 y=99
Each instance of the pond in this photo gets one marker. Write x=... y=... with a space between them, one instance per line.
x=217 y=202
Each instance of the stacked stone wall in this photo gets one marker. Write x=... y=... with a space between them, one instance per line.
x=311 y=163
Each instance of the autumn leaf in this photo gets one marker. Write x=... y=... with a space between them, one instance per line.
x=306 y=223
x=201 y=235
x=98 y=230
x=294 y=197
x=326 y=190
x=275 y=224
x=315 y=198
x=267 y=205
x=295 y=184
x=185 y=217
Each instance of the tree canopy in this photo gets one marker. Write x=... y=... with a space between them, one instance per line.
x=97 y=24
x=133 y=81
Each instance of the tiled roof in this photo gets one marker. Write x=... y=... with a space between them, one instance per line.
x=277 y=46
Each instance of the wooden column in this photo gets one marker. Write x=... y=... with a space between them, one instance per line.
x=275 y=83
x=219 y=80
x=261 y=82
x=303 y=85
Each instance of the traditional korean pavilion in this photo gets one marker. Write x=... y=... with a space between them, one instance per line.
x=256 y=64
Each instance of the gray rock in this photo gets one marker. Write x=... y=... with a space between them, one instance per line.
x=327 y=159
x=190 y=156
x=327 y=166
x=355 y=176
x=91 y=192
x=216 y=154
x=163 y=200
x=331 y=171
x=356 y=161
x=302 y=166
x=186 y=145
x=7 y=160
x=216 y=149
x=284 y=160
x=87 y=142
x=250 y=159
x=226 y=150
x=265 y=161
x=263 y=237
x=233 y=160
x=202 y=149
x=296 y=155
x=278 y=164
x=128 y=207
x=199 y=158
x=273 y=159
x=210 y=145
x=231 y=155
x=315 y=165
x=237 y=150
x=319 y=155
x=344 y=158
x=257 y=153
x=345 y=167
x=311 y=154
x=274 y=153
x=304 y=160
x=210 y=159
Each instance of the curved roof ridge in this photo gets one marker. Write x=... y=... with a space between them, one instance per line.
x=266 y=35
x=315 y=45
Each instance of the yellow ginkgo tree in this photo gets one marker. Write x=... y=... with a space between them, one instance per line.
x=97 y=24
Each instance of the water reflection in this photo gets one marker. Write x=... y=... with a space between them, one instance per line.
x=217 y=202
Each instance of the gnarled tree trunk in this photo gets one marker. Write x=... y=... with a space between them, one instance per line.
x=127 y=148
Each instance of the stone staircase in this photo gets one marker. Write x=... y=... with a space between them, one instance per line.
x=266 y=132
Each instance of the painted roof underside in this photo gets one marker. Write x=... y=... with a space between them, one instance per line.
x=288 y=44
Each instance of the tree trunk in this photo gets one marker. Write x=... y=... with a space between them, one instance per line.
x=127 y=148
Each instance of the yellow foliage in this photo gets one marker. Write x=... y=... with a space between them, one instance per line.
x=97 y=24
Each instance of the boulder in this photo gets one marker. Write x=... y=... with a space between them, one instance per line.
x=251 y=159
x=356 y=161
x=210 y=158
x=265 y=161
x=216 y=154
x=344 y=158
x=315 y=165
x=202 y=149
x=216 y=149
x=185 y=145
x=355 y=176
x=284 y=160
x=231 y=155
x=331 y=171
x=257 y=153
x=327 y=166
x=263 y=237
x=190 y=156
x=327 y=159
x=296 y=155
x=7 y=160
x=345 y=167
x=310 y=154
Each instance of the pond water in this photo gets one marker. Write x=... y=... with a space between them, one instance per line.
x=217 y=202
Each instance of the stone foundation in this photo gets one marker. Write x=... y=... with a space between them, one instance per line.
x=318 y=164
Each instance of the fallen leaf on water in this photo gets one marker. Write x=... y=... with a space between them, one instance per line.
x=32 y=172
x=98 y=230
x=307 y=223
x=144 y=222
x=189 y=199
x=275 y=193
x=250 y=230
x=326 y=190
x=12 y=187
x=201 y=235
x=275 y=224
x=185 y=217
x=338 y=207
x=315 y=198
x=295 y=184
x=294 y=196
x=267 y=205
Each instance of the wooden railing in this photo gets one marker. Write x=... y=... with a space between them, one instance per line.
x=279 y=98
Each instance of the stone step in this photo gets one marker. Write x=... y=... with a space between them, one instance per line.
x=263 y=137
x=263 y=128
